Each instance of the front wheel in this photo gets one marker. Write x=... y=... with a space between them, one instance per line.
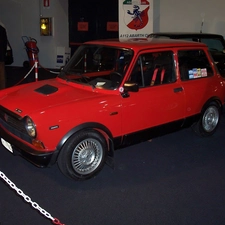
x=83 y=155
x=209 y=121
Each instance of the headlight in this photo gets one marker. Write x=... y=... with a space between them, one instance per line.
x=30 y=127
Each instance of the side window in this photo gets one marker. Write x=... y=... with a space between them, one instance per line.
x=154 y=68
x=193 y=64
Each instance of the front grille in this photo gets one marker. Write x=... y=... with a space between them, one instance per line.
x=14 y=124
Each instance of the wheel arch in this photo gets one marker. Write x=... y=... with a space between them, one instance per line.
x=210 y=100
x=208 y=123
x=95 y=126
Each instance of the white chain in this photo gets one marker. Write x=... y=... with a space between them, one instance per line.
x=28 y=199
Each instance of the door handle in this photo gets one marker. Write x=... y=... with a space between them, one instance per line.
x=179 y=89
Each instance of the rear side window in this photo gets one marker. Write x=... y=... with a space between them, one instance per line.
x=194 y=64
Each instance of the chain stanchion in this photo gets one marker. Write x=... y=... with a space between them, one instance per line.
x=35 y=67
x=28 y=199
x=50 y=71
x=36 y=70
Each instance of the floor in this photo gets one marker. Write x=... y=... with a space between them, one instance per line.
x=177 y=179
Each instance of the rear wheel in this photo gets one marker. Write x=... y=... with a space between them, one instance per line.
x=83 y=155
x=209 y=121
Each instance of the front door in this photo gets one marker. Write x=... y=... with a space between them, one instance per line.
x=160 y=99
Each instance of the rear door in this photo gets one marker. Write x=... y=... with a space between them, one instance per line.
x=197 y=78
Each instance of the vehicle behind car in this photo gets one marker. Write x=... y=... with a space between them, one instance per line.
x=215 y=43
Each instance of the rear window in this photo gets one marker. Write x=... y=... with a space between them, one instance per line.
x=194 y=64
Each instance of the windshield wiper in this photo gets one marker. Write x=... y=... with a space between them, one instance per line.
x=63 y=74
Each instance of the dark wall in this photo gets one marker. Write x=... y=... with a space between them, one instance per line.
x=97 y=13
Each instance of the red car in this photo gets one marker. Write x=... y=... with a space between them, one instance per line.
x=111 y=94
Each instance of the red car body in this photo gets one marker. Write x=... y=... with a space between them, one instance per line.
x=46 y=121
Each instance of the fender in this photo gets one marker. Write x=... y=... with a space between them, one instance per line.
x=193 y=119
x=213 y=99
x=90 y=125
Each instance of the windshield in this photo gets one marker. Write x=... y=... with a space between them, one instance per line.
x=214 y=44
x=98 y=66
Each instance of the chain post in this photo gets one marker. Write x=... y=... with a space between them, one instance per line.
x=57 y=222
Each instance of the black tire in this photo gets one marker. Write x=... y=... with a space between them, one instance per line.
x=83 y=155
x=209 y=120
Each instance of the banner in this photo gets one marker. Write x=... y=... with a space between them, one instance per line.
x=135 y=18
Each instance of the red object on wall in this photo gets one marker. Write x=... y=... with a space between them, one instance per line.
x=112 y=26
x=46 y=3
x=82 y=26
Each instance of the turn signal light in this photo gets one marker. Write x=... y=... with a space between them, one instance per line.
x=38 y=144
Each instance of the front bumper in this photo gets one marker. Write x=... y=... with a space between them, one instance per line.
x=13 y=131
x=38 y=158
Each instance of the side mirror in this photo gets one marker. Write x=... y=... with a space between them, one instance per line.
x=131 y=86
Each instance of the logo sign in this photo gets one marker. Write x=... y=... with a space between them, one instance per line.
x=135 y=18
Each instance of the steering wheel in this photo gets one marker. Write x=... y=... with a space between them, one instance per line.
x=115 y=77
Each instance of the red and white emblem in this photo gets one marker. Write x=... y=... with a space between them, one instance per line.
x=136 y=13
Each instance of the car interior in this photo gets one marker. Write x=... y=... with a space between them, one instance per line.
x=154 y=69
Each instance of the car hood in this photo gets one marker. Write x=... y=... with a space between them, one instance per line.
x=41 y=95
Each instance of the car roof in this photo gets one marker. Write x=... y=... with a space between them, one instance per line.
x=144 y=43
x=187 y=34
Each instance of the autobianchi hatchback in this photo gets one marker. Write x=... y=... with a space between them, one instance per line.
x=111 y=94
